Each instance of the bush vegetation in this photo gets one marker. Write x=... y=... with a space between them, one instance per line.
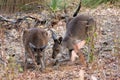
x=55 y=5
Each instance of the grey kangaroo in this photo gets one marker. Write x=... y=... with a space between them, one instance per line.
x=35 y=41
x=77 y=28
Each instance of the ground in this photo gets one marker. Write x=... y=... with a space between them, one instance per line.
x=106 y=64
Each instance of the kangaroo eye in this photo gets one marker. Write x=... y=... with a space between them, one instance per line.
x=41 y=49
x=35 y=49
x=57 y=50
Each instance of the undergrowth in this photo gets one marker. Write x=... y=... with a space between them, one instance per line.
x=11 y=70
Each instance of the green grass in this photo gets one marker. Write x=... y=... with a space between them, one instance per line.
x=11 y=70
x=56 y=5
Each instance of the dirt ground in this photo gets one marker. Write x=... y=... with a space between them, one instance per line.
x=106 y=64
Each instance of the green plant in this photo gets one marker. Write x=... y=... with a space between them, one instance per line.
x=56 y=5
x=26 y=7
x=91 y=44
x=11 y=70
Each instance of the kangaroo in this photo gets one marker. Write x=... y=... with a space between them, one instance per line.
x=77 y=28
x=35 y=41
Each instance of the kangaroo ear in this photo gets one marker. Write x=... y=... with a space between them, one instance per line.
x=33 y=48
x=31 y=45
x=54 y=36
x=60 y=40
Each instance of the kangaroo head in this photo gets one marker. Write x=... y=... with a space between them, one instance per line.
x=37 y=49
x=56 y=47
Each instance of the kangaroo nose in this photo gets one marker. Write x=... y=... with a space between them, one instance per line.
x=38 y=62
x=53 y=57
